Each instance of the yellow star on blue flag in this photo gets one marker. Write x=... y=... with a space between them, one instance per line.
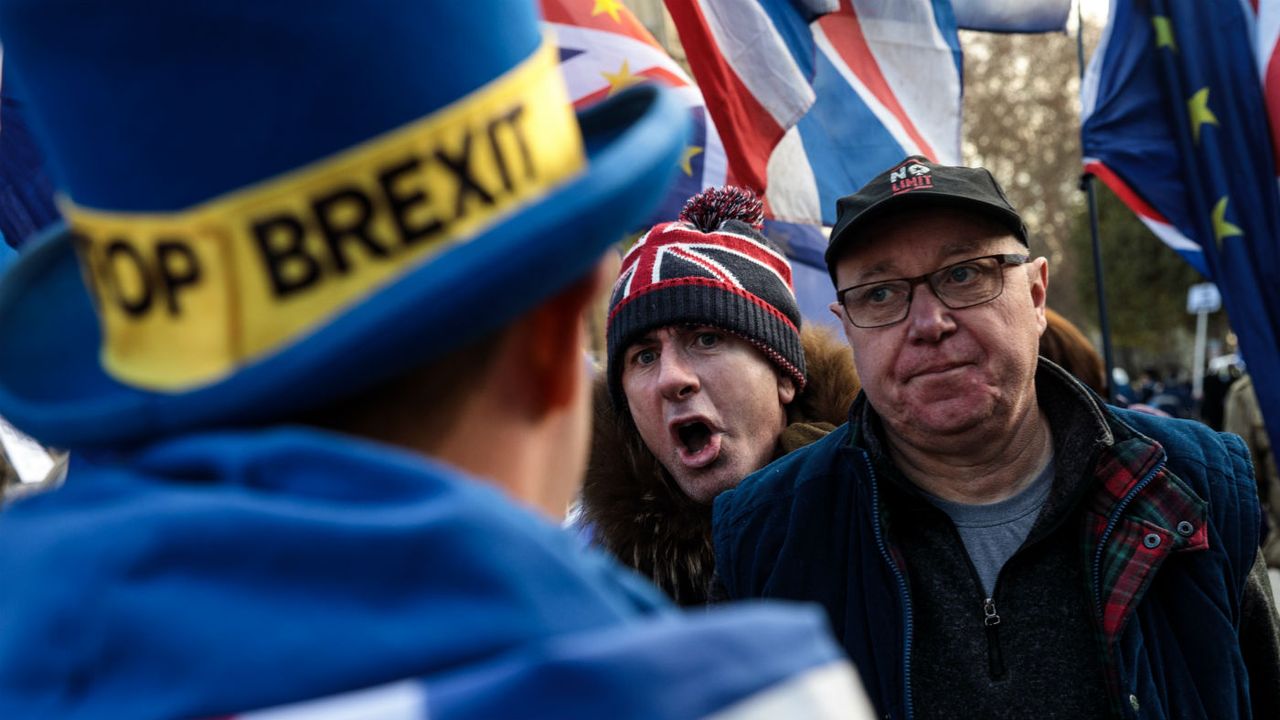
x=1164 y=32
x=1221 y=228
x=1198 y=107
x=686 y=159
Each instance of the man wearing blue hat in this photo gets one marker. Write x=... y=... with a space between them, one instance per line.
x=313 y=331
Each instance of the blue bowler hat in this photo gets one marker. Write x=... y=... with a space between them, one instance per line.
x=270 y=205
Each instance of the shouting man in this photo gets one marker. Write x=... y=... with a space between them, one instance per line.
x=709 y=379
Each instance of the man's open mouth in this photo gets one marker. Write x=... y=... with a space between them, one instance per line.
x=694 y=435
x=698 y=444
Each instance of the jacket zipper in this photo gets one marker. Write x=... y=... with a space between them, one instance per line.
x=996 y=668
x=902 y=588
x=995 y=658
x=1113 y=677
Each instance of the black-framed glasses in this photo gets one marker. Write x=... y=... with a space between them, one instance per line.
x=958 y=285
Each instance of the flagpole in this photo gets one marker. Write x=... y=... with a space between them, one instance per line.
x=1086 y=185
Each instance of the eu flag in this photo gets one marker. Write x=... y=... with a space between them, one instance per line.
x=1176 y=124
x=26 y=190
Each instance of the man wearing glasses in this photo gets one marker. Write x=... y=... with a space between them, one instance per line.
x=988 y=538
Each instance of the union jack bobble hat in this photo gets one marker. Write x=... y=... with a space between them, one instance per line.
x=916 y=182
x=710 y=267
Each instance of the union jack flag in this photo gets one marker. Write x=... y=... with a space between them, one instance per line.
x=816 y=97
x=604 y=48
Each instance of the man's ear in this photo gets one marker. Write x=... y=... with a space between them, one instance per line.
x=554 y=338
x=786 y=389
x=1038 y=277
x=838 y=310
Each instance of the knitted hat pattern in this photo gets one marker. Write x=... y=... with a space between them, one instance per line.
x=711 y=267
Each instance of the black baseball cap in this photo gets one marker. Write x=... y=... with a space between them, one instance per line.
x=918 y=182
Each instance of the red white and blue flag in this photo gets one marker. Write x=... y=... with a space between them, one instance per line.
x=815 y=98
x=754 y=64
x=605 y=49
x=1012 y=16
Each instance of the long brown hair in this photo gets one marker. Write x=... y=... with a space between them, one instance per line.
x=1064 y=344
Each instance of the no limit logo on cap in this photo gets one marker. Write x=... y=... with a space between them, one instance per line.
x=910 y=175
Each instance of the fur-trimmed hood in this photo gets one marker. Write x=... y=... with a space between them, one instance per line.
x=638 y=513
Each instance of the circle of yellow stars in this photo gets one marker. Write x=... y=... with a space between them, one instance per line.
x=1200 y=114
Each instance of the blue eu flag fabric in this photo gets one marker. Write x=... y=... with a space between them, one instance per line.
x=1175 y=122
x=26 y=190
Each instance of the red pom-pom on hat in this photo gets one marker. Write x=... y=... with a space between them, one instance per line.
x=711 y=208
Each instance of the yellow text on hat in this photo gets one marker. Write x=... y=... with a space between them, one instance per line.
x=185 y=298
